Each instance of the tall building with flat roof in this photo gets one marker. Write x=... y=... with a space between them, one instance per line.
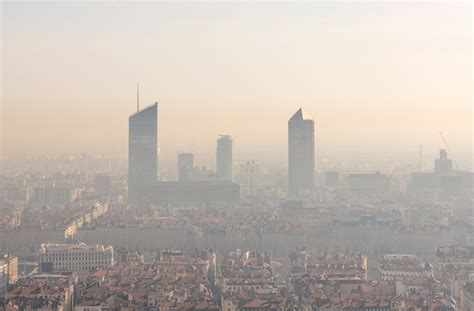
x=142 y=148
x=300 y=154
x=224 y=158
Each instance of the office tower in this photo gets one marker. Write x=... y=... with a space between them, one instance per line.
x=443 y=165
x=142 y=148
x=300 y=154
x=185 y=165
x=224 y=158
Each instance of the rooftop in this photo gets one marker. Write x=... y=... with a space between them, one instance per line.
x=49 y=247
x=301 y=115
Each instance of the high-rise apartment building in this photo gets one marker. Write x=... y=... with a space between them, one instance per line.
x=142 y=148
x=224 y=158
x=300 y=154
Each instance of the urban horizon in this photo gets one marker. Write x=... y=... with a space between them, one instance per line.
x=274 y=156
x=361 y=79
x=206 y=158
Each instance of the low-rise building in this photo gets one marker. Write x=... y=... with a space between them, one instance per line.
x=247 y=272
x=8 y=271
x=41 y=292
x=402 y=267
x=70 y=257
x=467 y=297
x=454 y=265
x=329 y=266
x=175 y=280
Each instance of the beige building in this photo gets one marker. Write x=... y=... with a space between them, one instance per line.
x=8 y=271
x=76 y=256
x=41 y=292
x=403 y=267
x=467 y=297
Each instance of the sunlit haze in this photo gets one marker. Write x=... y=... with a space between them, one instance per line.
x=236 y=156
x=378 y=79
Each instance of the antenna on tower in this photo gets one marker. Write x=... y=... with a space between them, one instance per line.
x=138 y=98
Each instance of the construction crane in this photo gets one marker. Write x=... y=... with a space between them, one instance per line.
x=444 y=140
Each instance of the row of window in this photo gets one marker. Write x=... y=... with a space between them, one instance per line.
x=77 y=256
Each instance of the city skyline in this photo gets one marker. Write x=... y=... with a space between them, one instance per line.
x=236 y=156
x=378 y=80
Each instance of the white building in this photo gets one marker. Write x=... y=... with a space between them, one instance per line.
x=76 y=256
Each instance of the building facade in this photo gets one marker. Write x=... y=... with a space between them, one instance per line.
x=224 y=158
x=300 y=154
x=8 y=271
x=3 y=277
x=403 y=267
x=70 y=257
x=142 y=148
x=42 y=292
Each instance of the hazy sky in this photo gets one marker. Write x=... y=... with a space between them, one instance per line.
x=375 y=77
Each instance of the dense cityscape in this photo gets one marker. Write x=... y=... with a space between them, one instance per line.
x=291 y=155
x=80 y=233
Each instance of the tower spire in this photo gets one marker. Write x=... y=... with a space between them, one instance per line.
x=138 y=98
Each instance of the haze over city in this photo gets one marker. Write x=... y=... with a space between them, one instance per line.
x=379 y=79
x=236 y=156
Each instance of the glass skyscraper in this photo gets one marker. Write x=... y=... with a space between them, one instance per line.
x=142 y=148
x=300 y=154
